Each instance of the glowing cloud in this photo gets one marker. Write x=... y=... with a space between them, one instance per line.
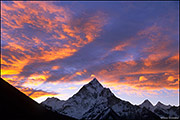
x=142 y=78
x=55 y=67
x=35 y=93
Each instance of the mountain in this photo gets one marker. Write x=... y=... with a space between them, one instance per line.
x=107 y=114
x=162 y=106
x=93 y=101
x=161 y=110
x=14 y=105
x=147 y=104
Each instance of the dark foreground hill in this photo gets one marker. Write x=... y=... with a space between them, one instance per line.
x=14 y=105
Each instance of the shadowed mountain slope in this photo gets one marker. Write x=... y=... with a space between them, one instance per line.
x=14 y=105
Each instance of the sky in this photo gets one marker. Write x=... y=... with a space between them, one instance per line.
x=51 y=49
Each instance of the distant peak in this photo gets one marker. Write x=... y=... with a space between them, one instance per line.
x=52 y=98
x=147 y=102
x=160 y=104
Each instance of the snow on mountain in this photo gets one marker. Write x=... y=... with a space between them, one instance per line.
x=53 y=103
x=147 y=104
x=107 y=114
x=94 y=86
x=160 y=109
x=166 y=110
x=161 y=105
x=93 y=101
x=79 y=103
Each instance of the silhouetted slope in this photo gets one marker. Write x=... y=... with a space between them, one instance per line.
x=14 y=105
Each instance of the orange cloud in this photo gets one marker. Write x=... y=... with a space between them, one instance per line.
x=132 y=86
x=35 y=80
x=174 y=58
x=13 y=66
x=72 y=88
x=120 y=47
x=55 y=67
x=138 y=75
x=171 y=78
x=57 y=54
x=41 y=94
x=32 y=93
x=153 y=32
x=81 y=72
x=69 y=77
x=92 y=75
x=142 y=78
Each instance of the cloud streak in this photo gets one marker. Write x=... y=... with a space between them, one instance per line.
x=33 y=93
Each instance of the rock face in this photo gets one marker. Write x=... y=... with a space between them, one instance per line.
x=163 y=111
x=107 y=114
x=147 y=104
x=93 y=101
x=14 y=105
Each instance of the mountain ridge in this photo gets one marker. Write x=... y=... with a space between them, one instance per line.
x=161 y=109
x=93 y=98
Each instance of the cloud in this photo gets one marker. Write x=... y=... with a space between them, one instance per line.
x=35 y=80
x=55 y=67
x=54 y=36
x=142 y=78
x=153 y=66
x=33 y=93
x=120 y=47
x=72 y=88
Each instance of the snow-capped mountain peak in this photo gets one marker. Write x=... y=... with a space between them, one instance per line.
x=92 y=100
x=147 y=104
x=95 y=83
x=161 y=105
x=160 y=109
x=93 y=87
x=90 y=94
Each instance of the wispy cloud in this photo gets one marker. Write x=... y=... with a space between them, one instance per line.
x=33 y=93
